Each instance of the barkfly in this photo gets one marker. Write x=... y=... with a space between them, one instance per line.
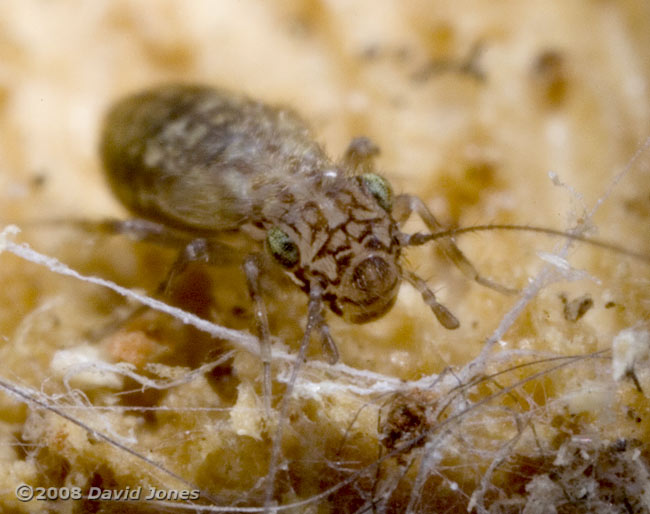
x=192 y=162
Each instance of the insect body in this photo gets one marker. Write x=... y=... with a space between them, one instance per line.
x=200 y=161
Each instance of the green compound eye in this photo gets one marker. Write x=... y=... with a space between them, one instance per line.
x=380 y=188
x=282 y=247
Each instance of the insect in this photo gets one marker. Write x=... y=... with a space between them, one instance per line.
x=193 y=162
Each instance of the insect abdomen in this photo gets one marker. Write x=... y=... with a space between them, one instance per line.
x=199 y=158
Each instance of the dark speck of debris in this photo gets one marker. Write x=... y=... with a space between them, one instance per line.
x=576 y=309
x=38 y=180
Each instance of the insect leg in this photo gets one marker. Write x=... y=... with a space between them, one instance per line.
x=406 y=204
x=138 y=229
x=360 y=154
x=446 y=318
x=329 y=346
x=314 y=320
x=208 y=251
x=195 y=249
x=252 y=272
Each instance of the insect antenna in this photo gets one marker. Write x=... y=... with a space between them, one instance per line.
x=419 y=238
